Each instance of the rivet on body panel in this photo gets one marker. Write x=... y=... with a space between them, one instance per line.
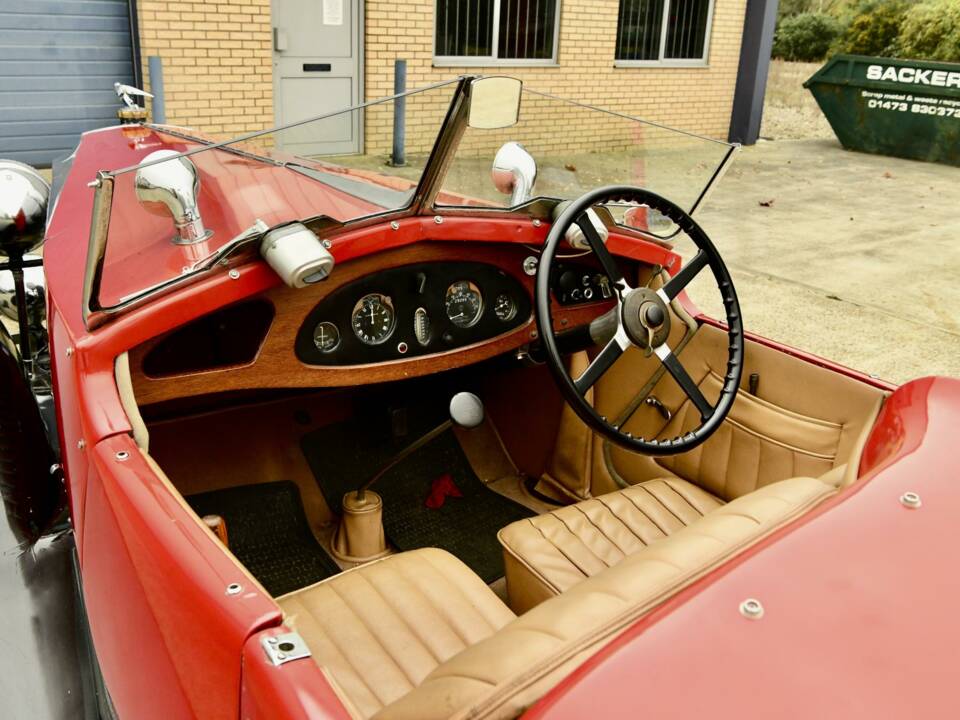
x=122 y=455
x=234 y=274
x=536 y=222
x=69 y=352
x=438 y=219
x=234 y=588
x=394 y=225
x=326 y=244
x=751 y=609
x=910 y=500
x=81 y=444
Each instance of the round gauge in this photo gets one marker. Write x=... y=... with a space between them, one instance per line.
x=505 y=307
x=374 y=318
x=326 y=337
x=421 y=326
x=464 y=303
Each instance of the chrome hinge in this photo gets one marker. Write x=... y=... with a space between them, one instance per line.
x=282 y=649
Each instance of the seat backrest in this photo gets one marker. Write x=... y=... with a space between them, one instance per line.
x=502 y=675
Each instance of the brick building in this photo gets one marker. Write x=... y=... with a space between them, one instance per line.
x=232 y=66
x=673 y=65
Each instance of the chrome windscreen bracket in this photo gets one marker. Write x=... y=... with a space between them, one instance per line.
x=284 y=648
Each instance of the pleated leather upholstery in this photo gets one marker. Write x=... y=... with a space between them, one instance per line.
x=548 y=554
x=504 y=674
x=381 y=628
x=759 y=443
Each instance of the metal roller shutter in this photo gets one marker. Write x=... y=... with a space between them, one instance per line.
x=58 y=62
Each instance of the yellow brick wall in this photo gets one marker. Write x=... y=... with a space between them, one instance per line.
x=217 y=62
x=697 y=99
x=218 y=70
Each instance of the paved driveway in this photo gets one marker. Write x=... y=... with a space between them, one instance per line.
x=856 y=258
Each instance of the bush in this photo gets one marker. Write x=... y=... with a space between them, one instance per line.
x=931 y=31
x=806 y=37
x=873 y=28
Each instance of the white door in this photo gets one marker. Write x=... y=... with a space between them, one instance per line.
x=317 y=51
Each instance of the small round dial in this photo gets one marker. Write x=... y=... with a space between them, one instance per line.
x=326 y=336
x=505 y=307
x=374 y=319
x=464 y=303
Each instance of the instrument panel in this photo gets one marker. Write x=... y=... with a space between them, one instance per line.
x=412 y=310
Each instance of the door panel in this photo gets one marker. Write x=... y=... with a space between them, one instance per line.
x=317 y=51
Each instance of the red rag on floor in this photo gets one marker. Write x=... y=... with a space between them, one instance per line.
x=440 y=489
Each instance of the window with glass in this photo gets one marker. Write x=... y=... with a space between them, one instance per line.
x=495 y=31
x=663 y=31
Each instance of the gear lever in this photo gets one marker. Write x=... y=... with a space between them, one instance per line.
x=360 y=536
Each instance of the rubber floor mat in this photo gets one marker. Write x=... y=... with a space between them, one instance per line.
x=268 y=532
x=342 y=457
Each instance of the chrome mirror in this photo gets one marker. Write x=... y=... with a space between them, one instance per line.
x=514 y=172
x=171 y=188
x=494 y=102
x=23 y=208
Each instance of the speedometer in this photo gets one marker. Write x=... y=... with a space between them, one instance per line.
x=464 y=303
x=373 y=319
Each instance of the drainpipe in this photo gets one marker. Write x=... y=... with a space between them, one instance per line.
x=397 y=158
x=156 y=87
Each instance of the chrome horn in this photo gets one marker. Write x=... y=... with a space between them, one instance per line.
x=171 y=188
x=514 y=172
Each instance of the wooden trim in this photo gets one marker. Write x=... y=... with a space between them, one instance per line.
x=277 y=366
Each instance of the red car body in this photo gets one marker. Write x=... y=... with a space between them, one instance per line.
x=859 y=596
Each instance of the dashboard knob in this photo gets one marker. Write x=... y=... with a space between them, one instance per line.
x=568 y=280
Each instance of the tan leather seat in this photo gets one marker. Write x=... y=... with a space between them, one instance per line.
x=502 y=675
x=548 y=554
x=381 y=628
x=419 y=636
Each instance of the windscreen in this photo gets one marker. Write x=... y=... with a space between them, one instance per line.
x=578 y=148
x=327 y=166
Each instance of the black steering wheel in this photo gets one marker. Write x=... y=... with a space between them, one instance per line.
x=642 y=319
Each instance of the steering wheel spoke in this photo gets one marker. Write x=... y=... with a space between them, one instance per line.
x=610 y=268
x=678 y=282
x=686 y=383
x=602 y=362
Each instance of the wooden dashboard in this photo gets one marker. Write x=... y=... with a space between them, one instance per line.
x=261 y=334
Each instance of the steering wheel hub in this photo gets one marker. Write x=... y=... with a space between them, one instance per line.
x=645 y=318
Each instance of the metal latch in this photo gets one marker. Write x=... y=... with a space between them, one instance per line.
x=660 y=407
x=282 y=649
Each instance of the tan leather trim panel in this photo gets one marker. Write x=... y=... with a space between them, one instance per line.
x=803 y=420
x=501 y=676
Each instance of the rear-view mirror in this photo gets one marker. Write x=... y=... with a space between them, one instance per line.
x=494 y=102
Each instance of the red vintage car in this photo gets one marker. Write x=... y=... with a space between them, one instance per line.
x=348 y=441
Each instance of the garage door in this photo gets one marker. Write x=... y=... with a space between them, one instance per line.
x=58 y=62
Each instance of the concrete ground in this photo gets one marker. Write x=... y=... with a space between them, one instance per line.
x=855 y=258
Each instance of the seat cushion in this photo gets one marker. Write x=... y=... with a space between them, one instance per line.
x=501 y=676
x=381 y=628
x=548 y=554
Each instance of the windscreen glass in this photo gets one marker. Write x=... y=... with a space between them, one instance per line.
x=578 y=148
x=309 y=169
